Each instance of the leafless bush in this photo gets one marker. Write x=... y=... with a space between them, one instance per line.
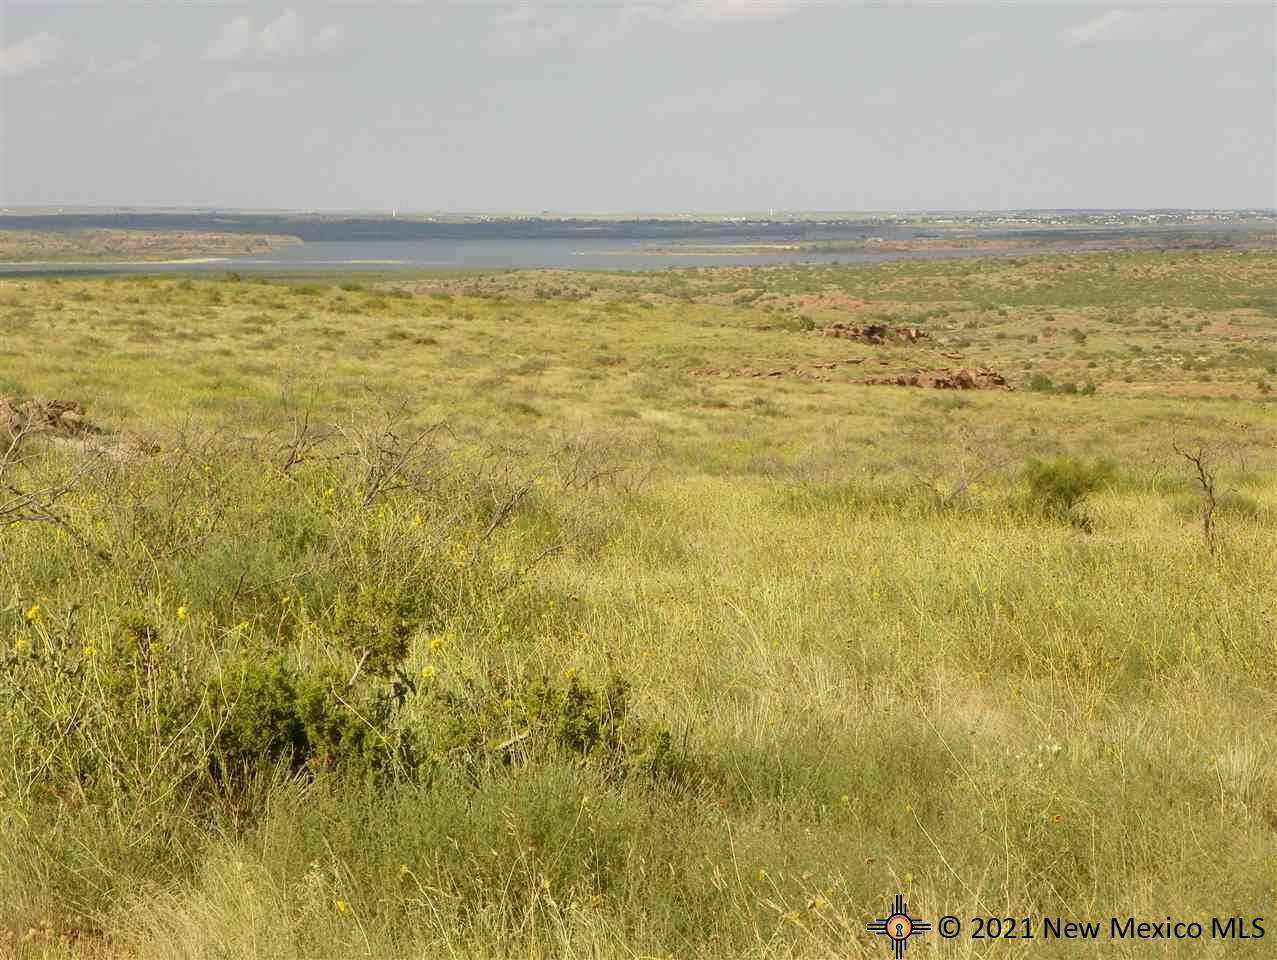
x=502 y=485
x=389 y=452
x=595 y=461
x=962 y=456
x=1199 y=460
x=27 y=502
x=180 y=500
x=304 y=437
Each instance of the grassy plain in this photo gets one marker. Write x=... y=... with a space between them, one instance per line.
x=267 y=698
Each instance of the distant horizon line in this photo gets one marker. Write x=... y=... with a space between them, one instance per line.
x=31 y=209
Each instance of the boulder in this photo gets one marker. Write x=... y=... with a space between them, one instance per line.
x=40 y=416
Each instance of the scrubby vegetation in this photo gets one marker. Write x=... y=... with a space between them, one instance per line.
x=1059 y=486
x=91 y=245
x=344 y=619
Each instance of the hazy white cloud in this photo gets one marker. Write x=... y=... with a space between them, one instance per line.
x=532 y=26
x=283 y=38
x=709 y=11
x=328 y=40
x=529 y=28
x=33 y=53
x=256 y=84
x=235 y=40
x=644 y=12
x=983 y=40
x=727 y=11
x=1104 y=27
x=1218 y=43
x=146 y=55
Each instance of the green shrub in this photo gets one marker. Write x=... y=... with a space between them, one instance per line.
x=272 y=713
x=481 y=728
x=1058 y=486
x=116 y=724
x=376 y=621
x=800 y=324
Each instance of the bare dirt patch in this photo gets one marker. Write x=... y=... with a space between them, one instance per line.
x=1226 y=330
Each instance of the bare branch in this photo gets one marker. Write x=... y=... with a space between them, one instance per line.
x=39 y=505
x=306 y=439
x=506 y=507
x=388 y=460
x=1206 y=480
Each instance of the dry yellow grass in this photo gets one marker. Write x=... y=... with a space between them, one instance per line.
x=884 y=666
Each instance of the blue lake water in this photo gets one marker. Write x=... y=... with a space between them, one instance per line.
x=578 y=253
x=569 y=254
x=382 y=245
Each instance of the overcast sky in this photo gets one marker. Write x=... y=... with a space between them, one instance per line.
x=638 y=105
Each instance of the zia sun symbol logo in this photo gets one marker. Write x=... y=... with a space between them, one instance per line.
x=898 y=927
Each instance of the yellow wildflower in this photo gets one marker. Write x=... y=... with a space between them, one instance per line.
x=89 y=651
x=427 y=671
x=33 y=615
x=340 y=905
x=183 y=614
x=416 y=520
x=330 y=491
x=21 y=645
x=436 y=642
